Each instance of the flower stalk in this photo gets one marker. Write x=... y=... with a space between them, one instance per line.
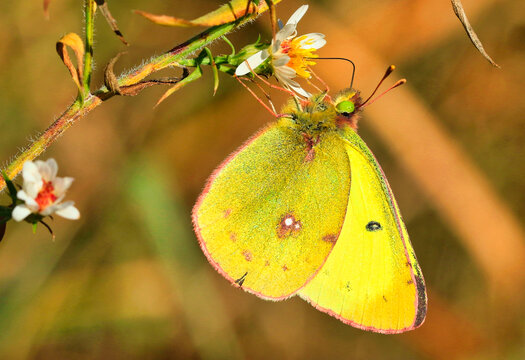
x=89 y=13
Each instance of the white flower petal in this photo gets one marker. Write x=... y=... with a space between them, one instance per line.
x=56 y=206
x=51 y=209
x=280 y=60
x=252 y=62
x=32 y=188
x=44 y=170
x=276 y=45
x=53 y=166
x=285 y=73
x=297 y=15
x=299 y=90
x=30 y=202
x=30 y=172
x=69 y=212
x=313 y=41
x=61 y=185
x=287 y=31
x=20 y=212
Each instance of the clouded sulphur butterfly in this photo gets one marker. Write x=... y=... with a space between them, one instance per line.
x=303 y=208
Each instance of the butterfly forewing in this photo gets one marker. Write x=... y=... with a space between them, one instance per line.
x=272 y=212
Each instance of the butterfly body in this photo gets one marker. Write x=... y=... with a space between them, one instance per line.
x=303 y=208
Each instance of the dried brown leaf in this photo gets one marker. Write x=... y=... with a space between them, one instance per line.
x=110 y=80
x=103 y=6
x=132 y=90
x=225 y=14
x=75 y=43
x=462 y=16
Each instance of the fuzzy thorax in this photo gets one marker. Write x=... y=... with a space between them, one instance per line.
x=321 y=113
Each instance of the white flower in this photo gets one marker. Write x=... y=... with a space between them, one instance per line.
x=290 y=55
x=43 y=192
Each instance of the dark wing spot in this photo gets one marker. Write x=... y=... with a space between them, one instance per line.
x=373 y=226
x=266 y=263
x=240 y=280
x=247 y=255
x=347 y=286
x=331 y=238
x=227 y=213
x=233 y=237
x=410 y=282
x=285 y=268
x=384 y=298
x=288 y=225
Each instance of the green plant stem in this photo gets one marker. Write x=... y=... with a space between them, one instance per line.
x=80 y=108
x=89 y=13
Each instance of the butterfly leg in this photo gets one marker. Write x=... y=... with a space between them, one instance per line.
x=272 y=111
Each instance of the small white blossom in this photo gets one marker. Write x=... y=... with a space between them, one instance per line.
x=289 y=54
x=43 y=192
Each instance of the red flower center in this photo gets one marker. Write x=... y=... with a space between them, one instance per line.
x=286 y=46
x=46 y=196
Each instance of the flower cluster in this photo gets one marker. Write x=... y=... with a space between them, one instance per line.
x=290 y=55
x=43 y=192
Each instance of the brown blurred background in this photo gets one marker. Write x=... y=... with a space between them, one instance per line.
x=128 y=280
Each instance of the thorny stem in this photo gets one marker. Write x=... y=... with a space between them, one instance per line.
x=81 y=108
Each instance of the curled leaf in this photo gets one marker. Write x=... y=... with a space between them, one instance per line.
x=74 y=42
x=197 y=73
x=460 y=13
x=135 y=89
x=226 y=13
x=110 y=80
x=103 y=6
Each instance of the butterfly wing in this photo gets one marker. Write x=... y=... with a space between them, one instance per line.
x=271 y=213
x=372 y=279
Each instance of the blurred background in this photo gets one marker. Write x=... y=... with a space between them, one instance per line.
x=128 y=280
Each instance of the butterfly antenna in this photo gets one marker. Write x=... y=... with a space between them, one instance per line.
x=398 y=83
x=388 y=71
x=339 y=58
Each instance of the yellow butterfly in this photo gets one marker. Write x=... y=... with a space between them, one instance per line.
x=303 y=208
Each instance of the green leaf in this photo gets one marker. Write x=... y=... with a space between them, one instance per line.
x=197 y=73
x=10 y=187
x=214 y=70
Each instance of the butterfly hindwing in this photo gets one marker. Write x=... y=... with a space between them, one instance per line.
x=372 y=279
x=271 y=213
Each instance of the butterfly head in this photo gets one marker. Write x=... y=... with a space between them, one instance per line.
x=347 y=105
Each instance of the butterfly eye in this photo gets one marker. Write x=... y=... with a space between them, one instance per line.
x=345 y=107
